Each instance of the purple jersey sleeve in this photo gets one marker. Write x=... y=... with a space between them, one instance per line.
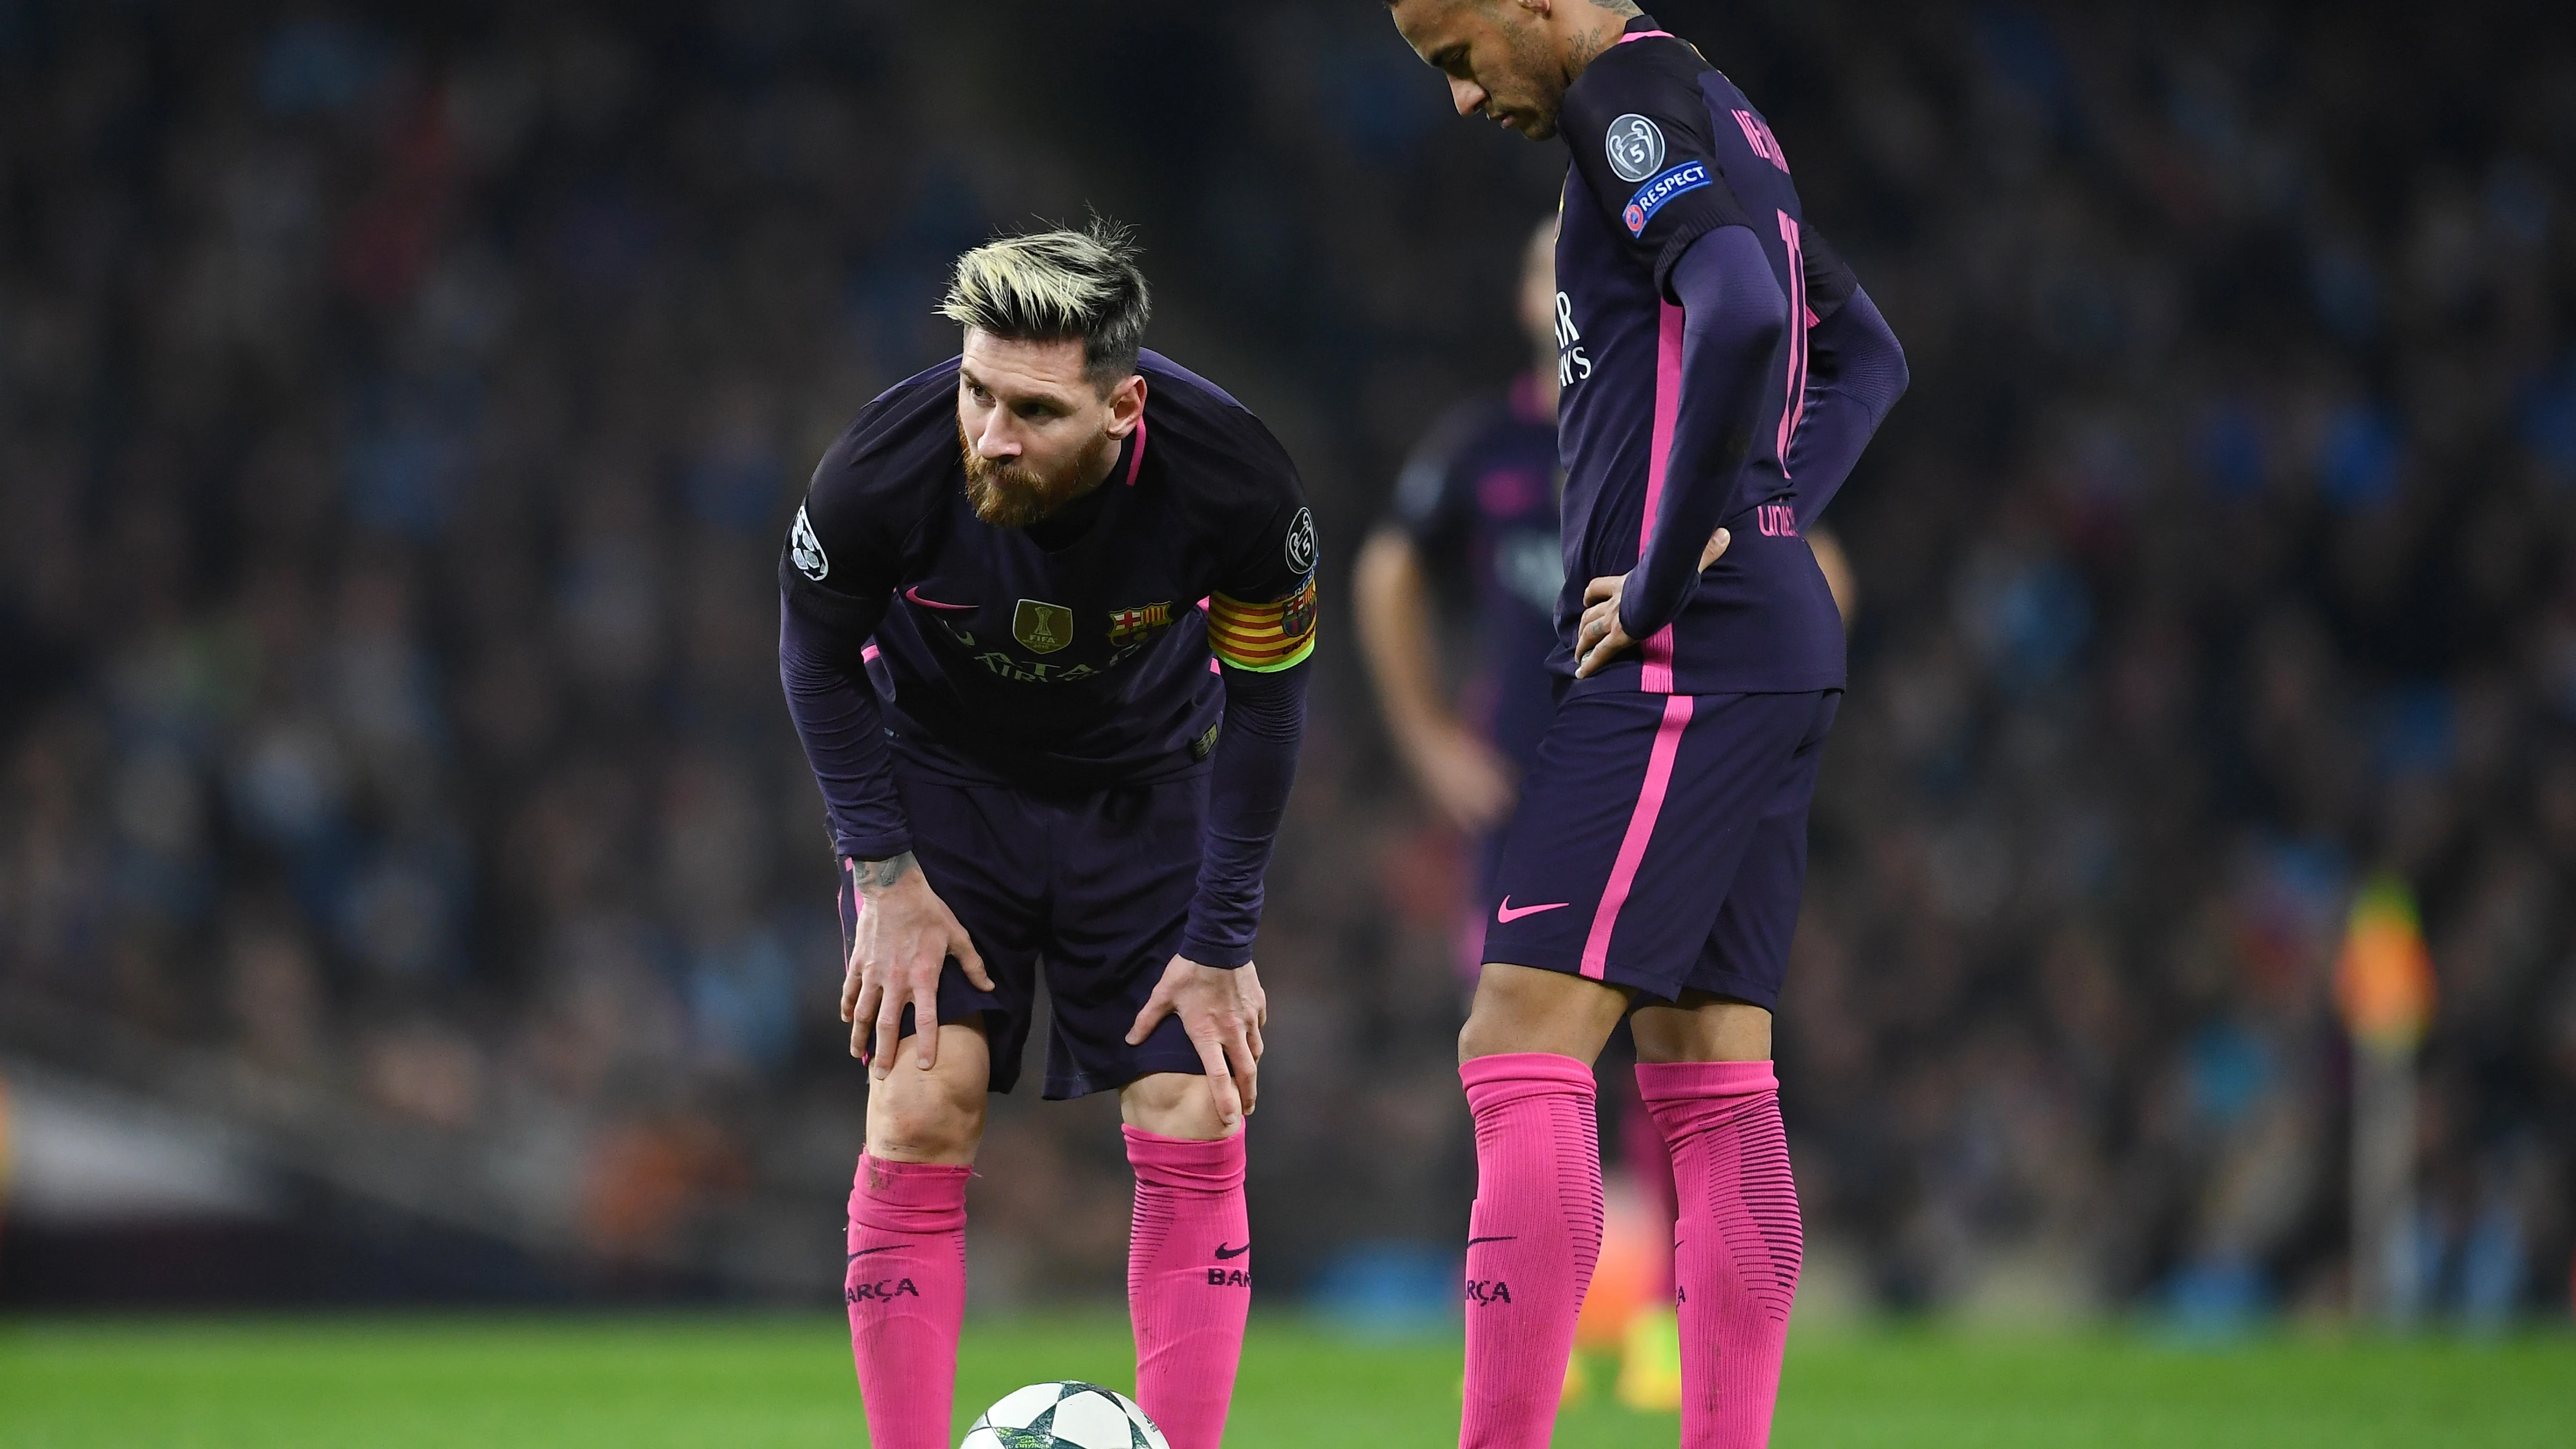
x=1733 y=318
x=1639 y=133
x=822 y=664
x=1256 y=762
x=836 y=578
x=1855 y=373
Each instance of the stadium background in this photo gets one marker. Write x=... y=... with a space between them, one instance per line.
x=410 y=888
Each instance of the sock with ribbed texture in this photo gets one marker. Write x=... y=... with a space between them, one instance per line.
x=906 y=1289
x=1189 y=1281
x=1736 y=1243
x=1532 y=1240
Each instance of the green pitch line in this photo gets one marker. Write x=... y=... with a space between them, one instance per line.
x=638 y=1383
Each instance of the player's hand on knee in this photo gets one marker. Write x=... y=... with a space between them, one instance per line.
x=906 y=934
x=1221 y=1011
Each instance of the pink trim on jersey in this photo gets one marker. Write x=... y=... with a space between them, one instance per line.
x=1658 y=675
x=1136 y=460
x=1646 y=35
x=1641 y=829
x=1795 y=407
x=868 y=655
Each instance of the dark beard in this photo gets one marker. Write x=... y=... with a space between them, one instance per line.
x=1007 y=495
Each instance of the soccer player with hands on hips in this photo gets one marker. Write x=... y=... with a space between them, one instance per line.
x=1722 y=372
x=1045 y=621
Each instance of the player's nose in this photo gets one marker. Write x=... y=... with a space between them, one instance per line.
x=995 y=441
x=1467 y=96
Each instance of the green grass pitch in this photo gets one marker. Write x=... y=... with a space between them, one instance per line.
x=636 y=1383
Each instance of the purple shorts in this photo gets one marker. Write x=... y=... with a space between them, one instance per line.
x=1095 y=887
x=1661 y=843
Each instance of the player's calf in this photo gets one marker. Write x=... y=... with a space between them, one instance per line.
x=1189 y=1274
x=905 y=1281
x=905 y=1285
x=1737 y=1245
x=1533 y=1237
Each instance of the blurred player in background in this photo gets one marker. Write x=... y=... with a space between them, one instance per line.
x=1071 y=764
x=1476 y=507
x=1722 y=371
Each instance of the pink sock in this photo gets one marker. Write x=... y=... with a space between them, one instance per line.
x=1649 y=1166
x=907 y=1294
x=1531 y=1241
x=1736 y=1246
x=1189 y=1281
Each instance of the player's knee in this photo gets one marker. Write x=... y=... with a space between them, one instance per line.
x=1522 y=1009
x=1492 y=1028
x=929 y=1128
x=1704 y=1028
x=917 y=1116
x=1173 y=1104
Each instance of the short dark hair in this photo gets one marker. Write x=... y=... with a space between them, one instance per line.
x=1051 y=286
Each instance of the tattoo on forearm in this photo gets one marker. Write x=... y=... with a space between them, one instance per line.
x=878 y=874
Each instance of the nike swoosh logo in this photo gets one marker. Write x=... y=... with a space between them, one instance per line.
x=1507 y=915
x=863 y=1252
x=1223 y=1252
x=914 y=594
x=1505 y=1238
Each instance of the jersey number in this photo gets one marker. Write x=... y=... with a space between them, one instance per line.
x=1795 y=407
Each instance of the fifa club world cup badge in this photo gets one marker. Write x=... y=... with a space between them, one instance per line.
x=1042 y=628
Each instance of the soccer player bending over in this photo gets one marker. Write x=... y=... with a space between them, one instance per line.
x=1722 y=373
x=1062 y=774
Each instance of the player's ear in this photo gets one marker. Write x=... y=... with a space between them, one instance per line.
x=1126 y=405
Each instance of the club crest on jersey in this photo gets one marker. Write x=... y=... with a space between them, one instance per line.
x=1650 y=198
x=1301 y=542
x=1636 y=147
x=1042 y=628
x=1126 y=625
x=806 y=551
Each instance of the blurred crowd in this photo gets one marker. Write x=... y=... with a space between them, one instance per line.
x=400 y=406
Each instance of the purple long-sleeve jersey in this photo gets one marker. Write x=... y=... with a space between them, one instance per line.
x=1667 y=151
x=1074 y=655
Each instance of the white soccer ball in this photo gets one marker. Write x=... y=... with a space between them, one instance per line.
x=1065 y=1415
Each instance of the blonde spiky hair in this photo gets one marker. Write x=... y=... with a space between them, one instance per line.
x=1049 y=286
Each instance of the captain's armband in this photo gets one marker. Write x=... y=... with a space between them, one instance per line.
x=1267 y=637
